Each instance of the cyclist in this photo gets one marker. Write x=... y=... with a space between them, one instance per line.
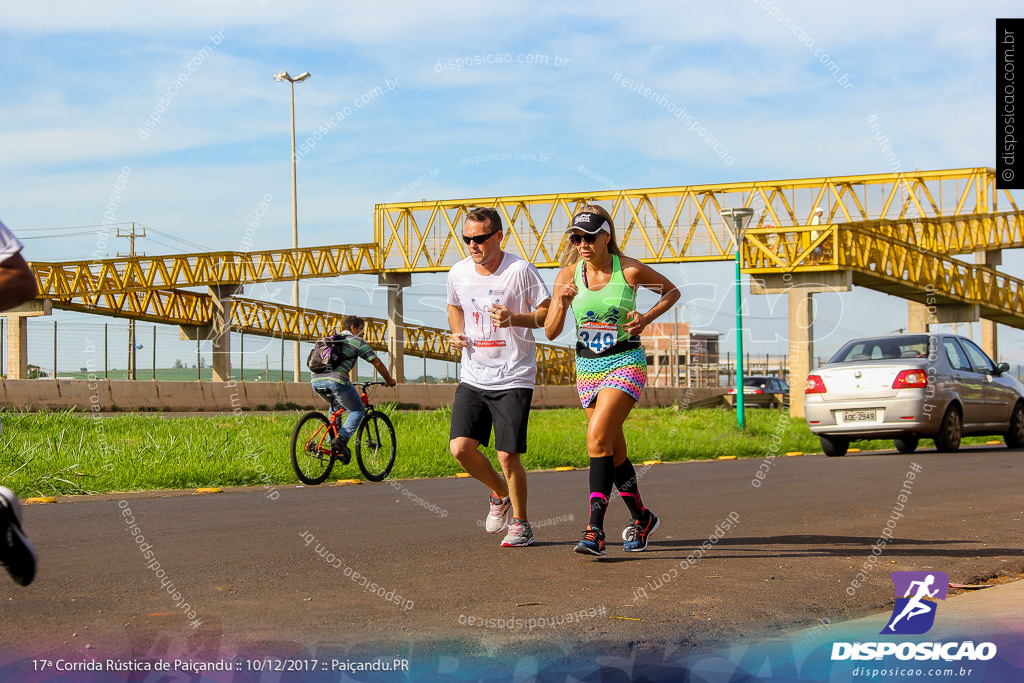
x=17 y=285
x=336 y=388
x=600 y=283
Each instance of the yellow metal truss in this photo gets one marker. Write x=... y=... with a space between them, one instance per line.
x=676 y=224
x=888 y=264
x=898 y=267
x=956 y=234
x=138 y=273
x=815 y=247
x=168 y=306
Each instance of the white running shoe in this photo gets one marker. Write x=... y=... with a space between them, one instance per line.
x=520 y=533
x=497 y=516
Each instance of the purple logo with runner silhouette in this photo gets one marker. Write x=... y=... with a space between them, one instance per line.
x=916 y=593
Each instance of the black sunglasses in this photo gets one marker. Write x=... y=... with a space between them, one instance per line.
x=480 y=239
x=576 y=238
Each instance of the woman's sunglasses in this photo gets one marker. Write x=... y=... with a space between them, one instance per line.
x=479 y=239
x=576 y=238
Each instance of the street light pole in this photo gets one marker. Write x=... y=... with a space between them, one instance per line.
x=132 y=364
x=736 y=218
x=284 y=76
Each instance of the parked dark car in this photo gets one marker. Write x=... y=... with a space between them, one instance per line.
x=912 y=386
x=762 y=391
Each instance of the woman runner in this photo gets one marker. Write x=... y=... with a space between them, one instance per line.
x=599 y=283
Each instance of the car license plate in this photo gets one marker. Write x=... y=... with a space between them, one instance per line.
x=859 y=416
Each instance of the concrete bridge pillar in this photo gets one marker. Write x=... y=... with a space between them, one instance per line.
x=395 y=283
x=989 y=335
x=801 y=345
x=917 y=317
x=218 y=330
x=17 y=335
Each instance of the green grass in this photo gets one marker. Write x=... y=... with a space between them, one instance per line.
x=74 y=453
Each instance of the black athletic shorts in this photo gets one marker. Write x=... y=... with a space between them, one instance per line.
x=476 y=410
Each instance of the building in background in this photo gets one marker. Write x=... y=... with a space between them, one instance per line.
x=677 y=357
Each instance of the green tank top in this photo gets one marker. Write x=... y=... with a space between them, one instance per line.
x=600 y=314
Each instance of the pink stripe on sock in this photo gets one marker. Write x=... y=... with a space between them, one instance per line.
x=638 y=501
x=599 y=495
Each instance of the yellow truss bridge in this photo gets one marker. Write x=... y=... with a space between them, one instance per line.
x=894 y=257
x=679 y=224
x=70 y=279
x=896 y=233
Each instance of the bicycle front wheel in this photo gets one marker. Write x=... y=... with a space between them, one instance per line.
x=376 y=446
x=311 y=448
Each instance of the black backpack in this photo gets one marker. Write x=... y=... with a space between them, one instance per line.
x=326 y=354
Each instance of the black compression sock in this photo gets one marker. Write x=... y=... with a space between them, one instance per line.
x=602 y=476
x=629 y=489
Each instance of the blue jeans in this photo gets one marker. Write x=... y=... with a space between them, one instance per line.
x=339 y=395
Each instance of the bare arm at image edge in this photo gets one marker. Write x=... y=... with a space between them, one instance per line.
x=17 y=282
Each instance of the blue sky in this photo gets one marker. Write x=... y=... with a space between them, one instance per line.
x=87 y=78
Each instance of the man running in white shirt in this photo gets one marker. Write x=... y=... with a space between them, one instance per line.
x=499 y=366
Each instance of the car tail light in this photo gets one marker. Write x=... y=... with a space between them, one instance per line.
x=911 y=379
x=814 y=385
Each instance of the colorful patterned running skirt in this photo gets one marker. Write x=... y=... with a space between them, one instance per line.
x=626 y=371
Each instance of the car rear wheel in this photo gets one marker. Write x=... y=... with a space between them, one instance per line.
x=834 y=446
x=1015 y=437
x=907 y=444
x=948 y=438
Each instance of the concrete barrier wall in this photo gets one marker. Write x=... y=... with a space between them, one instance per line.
x=114 y=395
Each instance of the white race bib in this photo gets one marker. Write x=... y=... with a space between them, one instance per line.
x=598 y=337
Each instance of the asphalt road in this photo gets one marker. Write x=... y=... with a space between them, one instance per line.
x=246 y=562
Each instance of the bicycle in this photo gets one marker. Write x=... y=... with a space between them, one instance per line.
x=375 y=445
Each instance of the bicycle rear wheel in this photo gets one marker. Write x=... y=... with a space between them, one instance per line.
x=311 y=448
x=376 y=446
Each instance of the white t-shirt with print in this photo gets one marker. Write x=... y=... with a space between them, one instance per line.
x=497 y=357
x=9 y=244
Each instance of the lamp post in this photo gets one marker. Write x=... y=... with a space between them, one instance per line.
x=735 y=219
x=284 y=76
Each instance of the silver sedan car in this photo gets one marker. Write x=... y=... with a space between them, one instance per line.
x=912 y=386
